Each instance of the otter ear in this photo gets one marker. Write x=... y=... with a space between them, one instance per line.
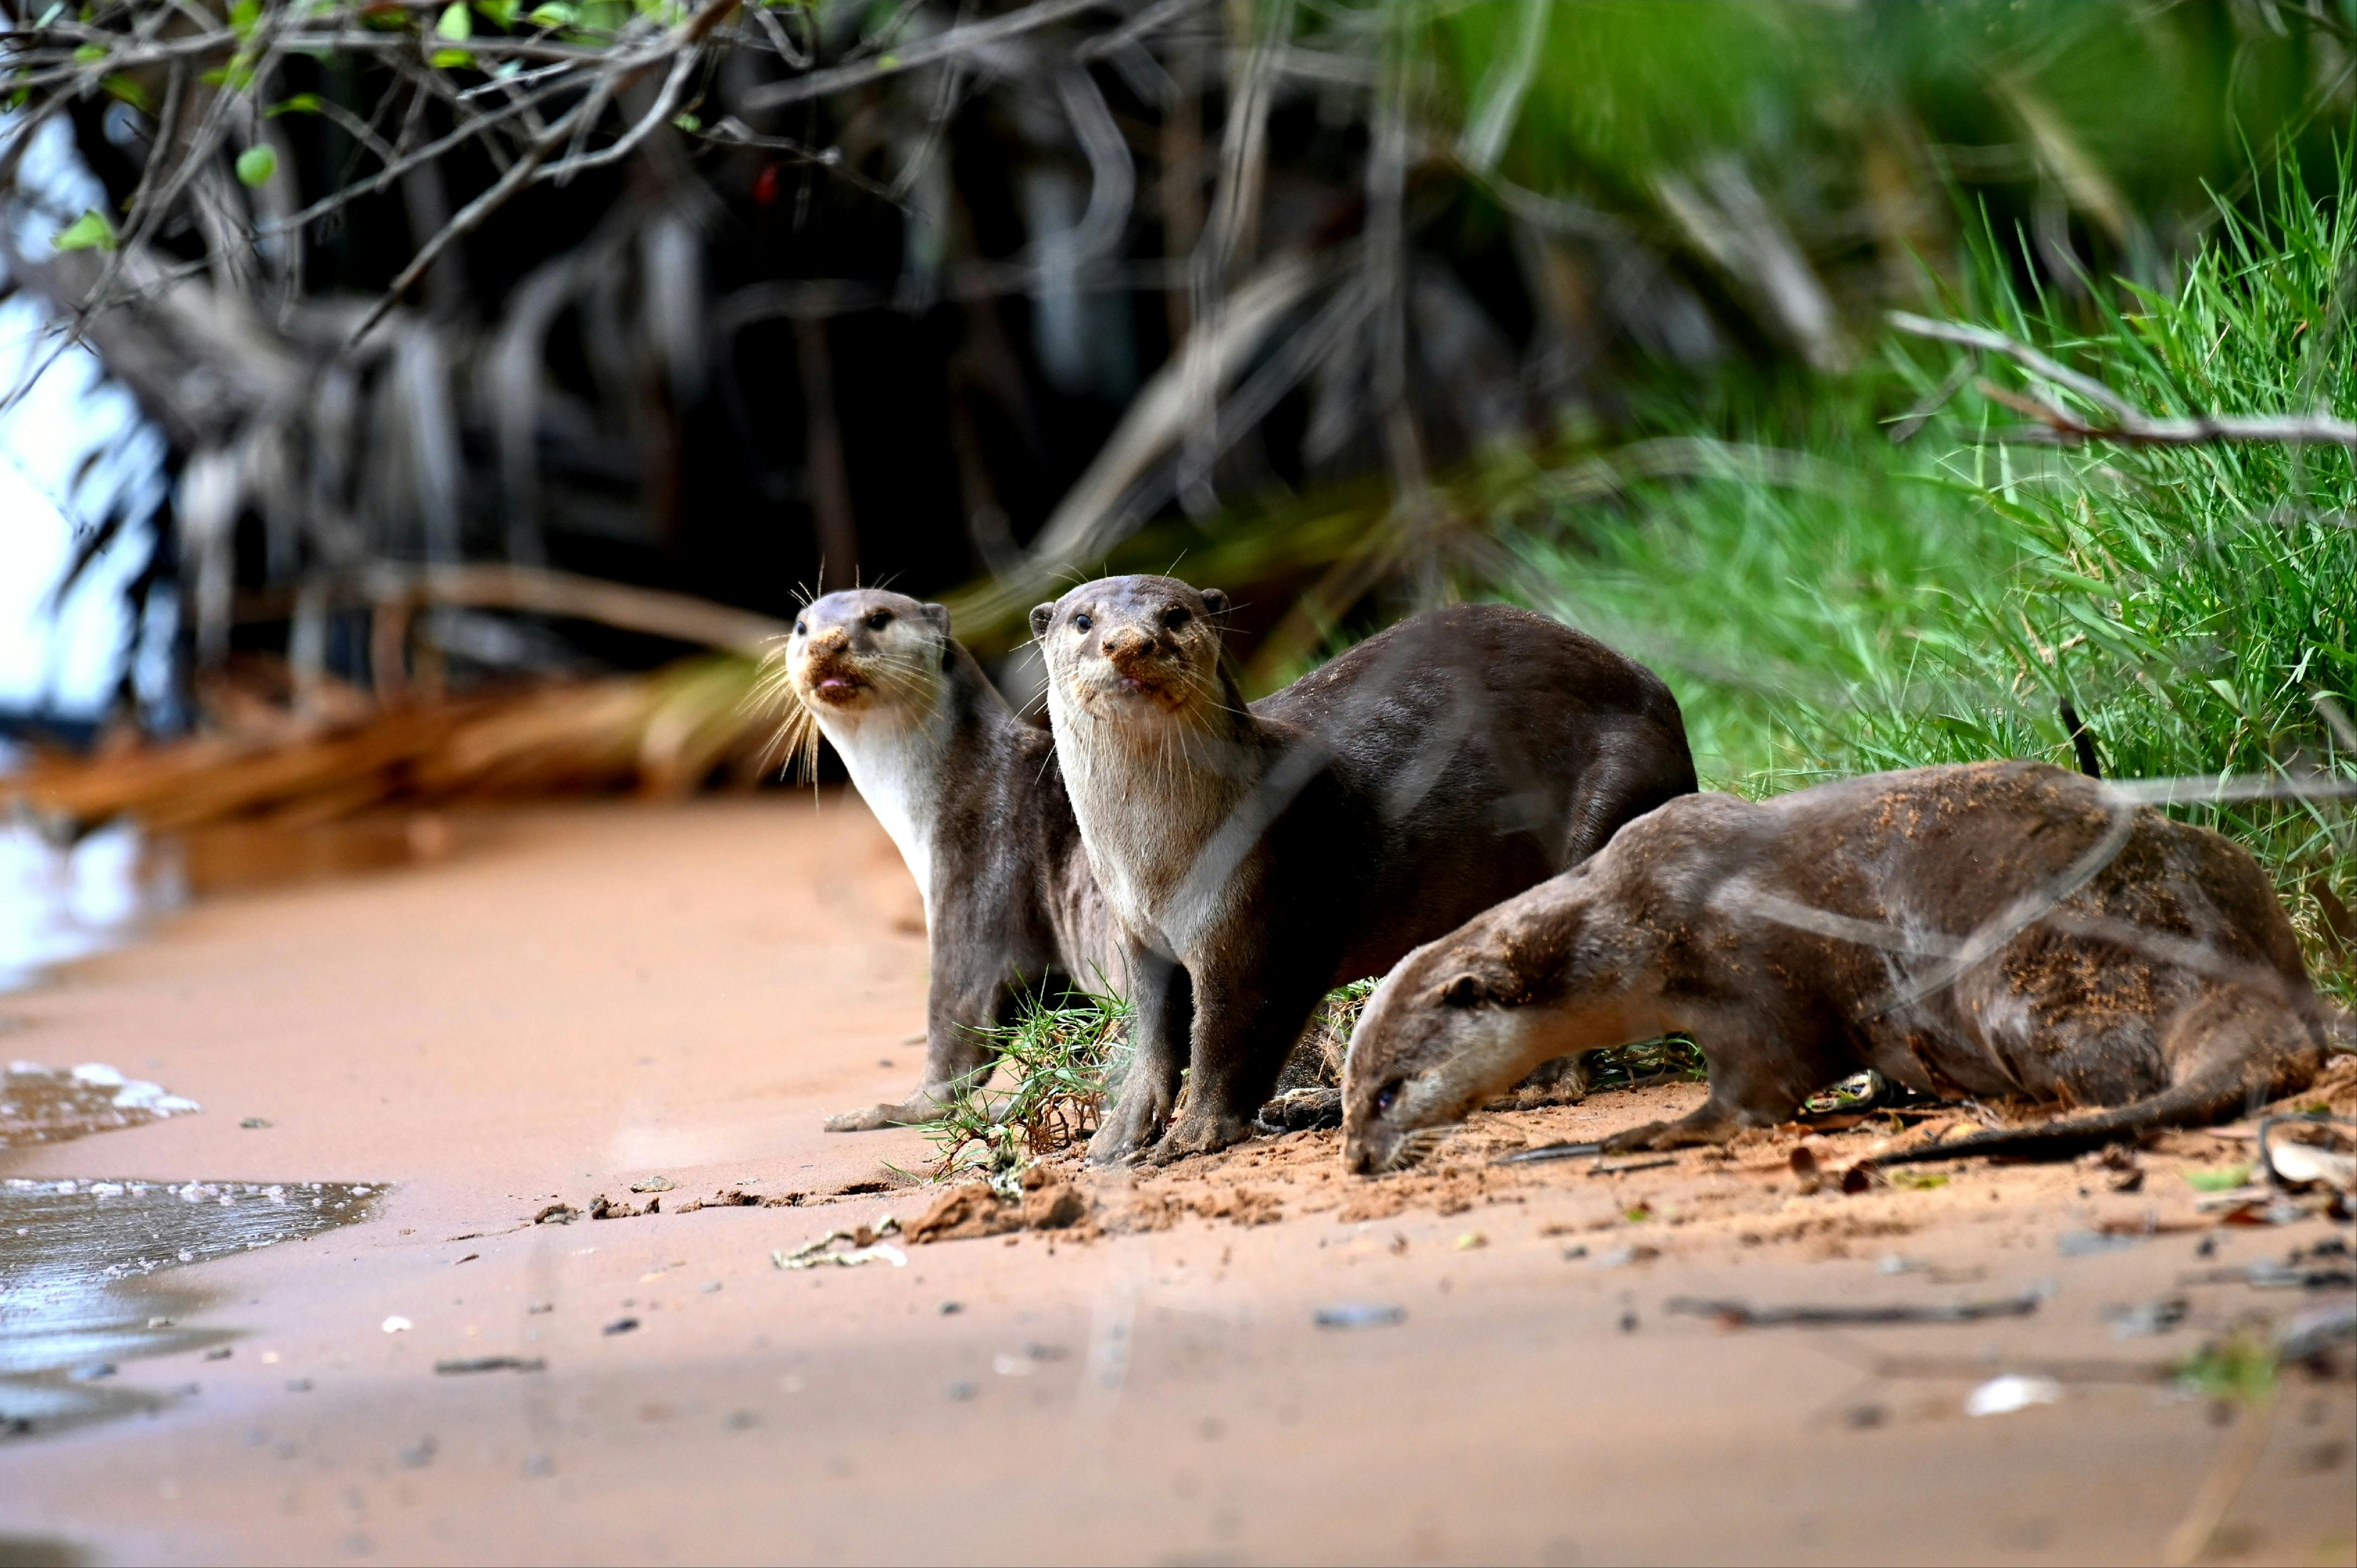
x=1043 y=617
x=1215 y=601
x=939 y=615
x=1463 y=990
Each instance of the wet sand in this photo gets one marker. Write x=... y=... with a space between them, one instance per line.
x=589 y=997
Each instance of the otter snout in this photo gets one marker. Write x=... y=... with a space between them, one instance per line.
x=1436 y=1040
x=1380 y=1123
x=829 y=673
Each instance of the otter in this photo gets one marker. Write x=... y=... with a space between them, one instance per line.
x=1982 y=929
x=971 y=795
x=1255 y=857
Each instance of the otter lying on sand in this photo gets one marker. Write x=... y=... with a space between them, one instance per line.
x=1997 y=929
x=1256 y=858
x=972 y=795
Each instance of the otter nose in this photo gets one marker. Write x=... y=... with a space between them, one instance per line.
x=833 y=640
x=1124 y=646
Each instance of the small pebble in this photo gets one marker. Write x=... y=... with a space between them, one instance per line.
x=1359 y=1316
x=951 y=1308
x=621 y=1326
x=961 y=1389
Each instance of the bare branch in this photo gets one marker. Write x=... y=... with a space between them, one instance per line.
x=1159 y=14
x=939 y=47
x=472 y=215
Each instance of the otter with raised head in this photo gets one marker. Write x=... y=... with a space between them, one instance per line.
x=1257 y=857
x=972 y=796
x=1999 y=928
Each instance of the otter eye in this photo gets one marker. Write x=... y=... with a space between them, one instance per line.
x=801 y=629
x=1176 y=617
x=878 y=620
x=1082 y=623
x=1386 y=1096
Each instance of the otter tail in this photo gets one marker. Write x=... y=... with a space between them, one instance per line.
x=2206 y=1097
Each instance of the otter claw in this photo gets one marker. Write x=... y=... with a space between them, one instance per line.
x=1206 y=1136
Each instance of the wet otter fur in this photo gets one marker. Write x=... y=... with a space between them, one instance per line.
x=971 y=794
x=1994 y=929
x=1257 y=857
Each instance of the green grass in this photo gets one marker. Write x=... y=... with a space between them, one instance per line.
x=1054 y=1065
x=1826 y=602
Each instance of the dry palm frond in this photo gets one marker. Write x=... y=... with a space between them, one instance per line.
x=665 y=733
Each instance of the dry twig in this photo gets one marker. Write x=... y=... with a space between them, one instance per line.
x=2129 y=425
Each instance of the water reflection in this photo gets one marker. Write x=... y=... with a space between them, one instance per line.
x=62 y=902
x=74 y=1255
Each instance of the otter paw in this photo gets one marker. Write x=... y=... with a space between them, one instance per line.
x=1686 y=1133
x=1297 y=1110
x=1127 y=1129
x=1194 y=1134
x=880 y=1116
x=1633 y=1140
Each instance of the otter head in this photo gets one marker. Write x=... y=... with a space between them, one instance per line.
x=1547 y=973
x=854 y=657
x=867 y=651
x=1134 y=650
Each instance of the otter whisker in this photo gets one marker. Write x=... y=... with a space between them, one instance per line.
x=1420 y=1145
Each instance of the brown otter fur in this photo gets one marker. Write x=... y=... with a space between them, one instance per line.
x=972 y=795
x=1256 y=858
x=1996 y=928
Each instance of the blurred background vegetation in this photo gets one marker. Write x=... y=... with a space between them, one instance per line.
x=1346 y=307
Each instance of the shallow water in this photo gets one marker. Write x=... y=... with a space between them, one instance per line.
x=76 y=1255
x=76 y=1258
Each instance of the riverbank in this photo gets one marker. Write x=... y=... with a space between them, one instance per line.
x=588 y=1000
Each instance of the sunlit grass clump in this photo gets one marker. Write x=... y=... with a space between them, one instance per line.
x=1047 y=1093
x=1827 y=601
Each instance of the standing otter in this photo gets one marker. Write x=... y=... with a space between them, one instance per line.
x=972 y=795
x=1995 y=928
x=1254 y=858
